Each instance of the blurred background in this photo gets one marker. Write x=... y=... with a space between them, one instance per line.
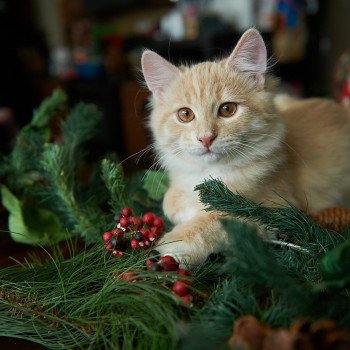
x=92 y=49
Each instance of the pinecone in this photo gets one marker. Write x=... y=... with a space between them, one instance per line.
x=336 y=219
x=251 y=334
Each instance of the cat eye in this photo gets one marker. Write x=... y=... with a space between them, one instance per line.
x=185 y=115
x=227 y=109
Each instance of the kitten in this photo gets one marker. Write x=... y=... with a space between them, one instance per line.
x=220 y=119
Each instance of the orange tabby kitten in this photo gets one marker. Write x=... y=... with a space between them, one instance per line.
x=220 y=119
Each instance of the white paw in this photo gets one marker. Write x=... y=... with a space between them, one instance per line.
x=185 y=252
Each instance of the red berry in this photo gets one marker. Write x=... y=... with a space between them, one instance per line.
x=148 y=218
x=149 y=262
x=107 y=236
x=124 y=222
x=118 y=232
x=187 y=299
x=145 y=232
x=184 y=272
x=117 y=253
x=169 y=263
x=158 y=222
x=156 y=230
x=134 y=244
x=147 y=243
x=126 y=212
x=152 y=236
x=180 y=288
x=109 y=247
x=136 y=221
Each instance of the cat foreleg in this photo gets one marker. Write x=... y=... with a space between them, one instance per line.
x=192 y=241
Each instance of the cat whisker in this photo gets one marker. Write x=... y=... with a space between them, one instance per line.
x=247 y=154
x=140 y=153
x=144 y=152
x=163 y=159
x=284 y=142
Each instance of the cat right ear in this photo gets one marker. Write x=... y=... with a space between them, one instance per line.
x=249 y=56
x=158 y=72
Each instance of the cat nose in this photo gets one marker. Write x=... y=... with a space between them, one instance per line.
x=207 y=140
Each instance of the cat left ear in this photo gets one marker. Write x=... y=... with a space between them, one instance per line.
x=158 y=72
x=250 y=56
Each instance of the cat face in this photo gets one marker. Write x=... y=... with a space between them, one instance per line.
x=213 y=111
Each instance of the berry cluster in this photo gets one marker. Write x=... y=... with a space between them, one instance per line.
x=141 y=233
x=168 y=263
x=133 y=231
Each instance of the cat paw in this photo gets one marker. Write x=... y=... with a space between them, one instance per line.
x=185 y=252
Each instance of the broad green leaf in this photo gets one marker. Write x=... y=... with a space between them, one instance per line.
x=29 y=223
x=335 y=266
x=156 y=183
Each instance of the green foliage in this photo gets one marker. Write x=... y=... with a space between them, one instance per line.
x=156 y=184
x=274 y=282
x=31 y=224
x=47 y=110
x=85 y=303
x=44 y=170
x=293 y=223
x=22 y=167
x=335 y=266
x=113 y=177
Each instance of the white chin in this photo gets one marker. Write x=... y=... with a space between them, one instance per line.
x=208 y=157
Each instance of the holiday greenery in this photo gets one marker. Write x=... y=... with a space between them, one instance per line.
x=91 y=299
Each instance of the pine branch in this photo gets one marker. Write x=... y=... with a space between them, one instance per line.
x=48 y=109
x=83 y=218
x=290 y=221
x=23 y=164
x=84 y=302
x=79 y=127
x=113 y=177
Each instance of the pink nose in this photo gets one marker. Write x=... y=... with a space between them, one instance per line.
x=207 y=140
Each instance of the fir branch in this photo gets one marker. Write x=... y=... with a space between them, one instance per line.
x=22 y=166
x=84 y=302
x=79 y=127
x=293 y=223
x=113 y=177
x=49 y=108
x=79 y=217
x=260 y=281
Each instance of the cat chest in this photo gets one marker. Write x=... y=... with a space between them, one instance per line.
x=237 y=181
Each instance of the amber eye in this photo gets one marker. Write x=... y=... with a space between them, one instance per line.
x=185 y=115
x=227 y=109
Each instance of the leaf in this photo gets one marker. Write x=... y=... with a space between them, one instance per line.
x=31 y=224
x=156 y=183
x=335 y=266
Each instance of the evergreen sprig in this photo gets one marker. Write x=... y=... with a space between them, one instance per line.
x=276 y=284
x=85 y=302
x=48 y=109
x=22 y=167
x=258 y=280
x=292 y=222
x=113 y=177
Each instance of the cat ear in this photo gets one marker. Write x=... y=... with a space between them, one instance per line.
x=249 y=55
x=158 y=72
